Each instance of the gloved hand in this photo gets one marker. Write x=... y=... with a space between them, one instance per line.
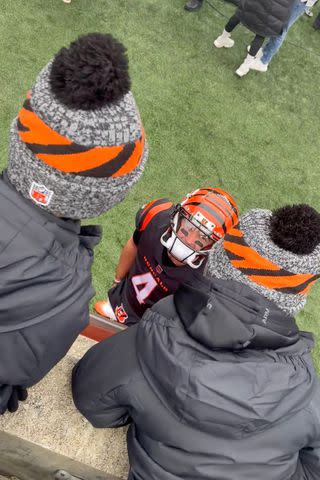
x=17 y=394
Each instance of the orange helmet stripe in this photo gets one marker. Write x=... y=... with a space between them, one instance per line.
x=222 y=195
x=216 y=206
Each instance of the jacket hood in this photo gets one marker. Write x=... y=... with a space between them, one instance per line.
x=224 y=357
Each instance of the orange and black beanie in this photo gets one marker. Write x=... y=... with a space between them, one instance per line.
x=271 y=262
x=78 y=144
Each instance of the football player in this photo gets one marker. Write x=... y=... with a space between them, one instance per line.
x=169 y=245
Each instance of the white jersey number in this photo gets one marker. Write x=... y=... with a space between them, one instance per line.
x=143 y=286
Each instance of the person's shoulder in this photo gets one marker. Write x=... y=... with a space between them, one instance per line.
x=154 y=210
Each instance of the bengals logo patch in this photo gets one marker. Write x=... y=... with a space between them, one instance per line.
x=121 y=314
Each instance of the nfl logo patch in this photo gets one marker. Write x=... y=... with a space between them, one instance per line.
x=40 y=194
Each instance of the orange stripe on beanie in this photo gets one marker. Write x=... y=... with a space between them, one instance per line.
x=263 y=271
x=62 y=154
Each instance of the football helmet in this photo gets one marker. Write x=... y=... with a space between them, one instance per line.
x=202 y=218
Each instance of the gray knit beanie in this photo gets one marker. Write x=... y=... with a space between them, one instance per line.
x=78 y=146
x=247 y=254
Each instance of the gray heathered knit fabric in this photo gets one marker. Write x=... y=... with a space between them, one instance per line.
x=255 y=227
x=76 y=196
x=111 y=125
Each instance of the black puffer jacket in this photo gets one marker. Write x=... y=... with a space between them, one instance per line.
x=265 y=17
x=216 y=382
x=45 y=288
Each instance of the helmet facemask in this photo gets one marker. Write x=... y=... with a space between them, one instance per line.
x=203 y=217
x=189 y=238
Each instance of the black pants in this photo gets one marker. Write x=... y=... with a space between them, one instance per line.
x=317 y=22
x=257 y=41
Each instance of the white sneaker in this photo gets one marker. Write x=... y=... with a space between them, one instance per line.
x=66 y=1
x=224 y=40
x=245 y=66
x=258 y=65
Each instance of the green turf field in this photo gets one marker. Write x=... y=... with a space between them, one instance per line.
x=257 y=136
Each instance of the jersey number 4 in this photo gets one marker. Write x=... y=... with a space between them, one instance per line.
x=143 y=286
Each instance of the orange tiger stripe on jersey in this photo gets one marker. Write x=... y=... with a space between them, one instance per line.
x=261 y=270
x=61 y=153
x=154 y=211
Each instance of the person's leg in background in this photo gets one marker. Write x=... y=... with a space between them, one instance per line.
x=316 y=24
x=309 y=8
x=225 y=40
x=250 y=58
x=274 y=43
x=193 y=5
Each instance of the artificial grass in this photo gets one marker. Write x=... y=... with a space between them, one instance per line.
x=257 y=136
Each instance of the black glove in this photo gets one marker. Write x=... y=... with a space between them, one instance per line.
x=17 y=394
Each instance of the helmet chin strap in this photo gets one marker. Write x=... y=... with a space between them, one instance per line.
x=180 y=251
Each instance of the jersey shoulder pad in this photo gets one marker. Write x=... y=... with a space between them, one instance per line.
x=150 y=211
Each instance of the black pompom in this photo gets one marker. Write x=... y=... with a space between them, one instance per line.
x=296 y=228
x=91 y=73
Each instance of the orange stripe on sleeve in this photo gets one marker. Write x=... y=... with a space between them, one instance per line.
x=147 y=206
x=154 y=211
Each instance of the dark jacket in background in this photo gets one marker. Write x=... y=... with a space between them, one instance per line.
x=267 y=18
x=45 y=288
x=217 y=384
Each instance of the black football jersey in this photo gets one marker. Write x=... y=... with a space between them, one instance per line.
x=153 y=275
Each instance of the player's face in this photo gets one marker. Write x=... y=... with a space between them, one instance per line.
x=190 y=235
